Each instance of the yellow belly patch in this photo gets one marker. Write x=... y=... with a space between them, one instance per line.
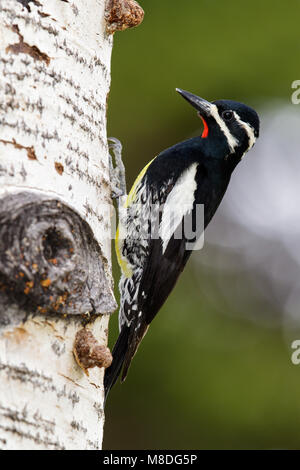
x=123 y=263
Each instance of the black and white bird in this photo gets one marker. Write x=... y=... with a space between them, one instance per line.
x=151 y=244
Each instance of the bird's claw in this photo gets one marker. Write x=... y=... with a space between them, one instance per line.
x=117 y=172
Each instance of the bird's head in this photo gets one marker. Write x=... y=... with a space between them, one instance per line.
x=231 y=128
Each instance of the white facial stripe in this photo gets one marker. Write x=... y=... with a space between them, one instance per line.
x=249 y=129
x=232 y=142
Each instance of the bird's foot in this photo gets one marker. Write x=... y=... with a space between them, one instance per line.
x=117 y=171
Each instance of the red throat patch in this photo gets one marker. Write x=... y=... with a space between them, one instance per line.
x=205 y=130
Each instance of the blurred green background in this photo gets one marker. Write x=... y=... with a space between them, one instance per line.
x=208 y=374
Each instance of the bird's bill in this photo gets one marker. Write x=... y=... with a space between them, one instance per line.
x=203 y=106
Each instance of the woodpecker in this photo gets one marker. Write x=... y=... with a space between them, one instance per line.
x=194 y=172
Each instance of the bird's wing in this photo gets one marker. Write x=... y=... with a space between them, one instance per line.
x=160 y=275
x=165 y=257
x=169 y=252
x=152 y=237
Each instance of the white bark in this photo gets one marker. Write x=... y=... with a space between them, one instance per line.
x=54 y=81
x=54 y=102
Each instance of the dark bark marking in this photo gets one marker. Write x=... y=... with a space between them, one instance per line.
x=38 y=380
x=30 y=150
x=22 y=47
x=25 y=3
x=78 y=426
x=75 y=9
x=44 y=15
x=59 y=348
x=59 y=168
x=34 y=438
x=71 y=380
x=21 y=417
x=99 y=410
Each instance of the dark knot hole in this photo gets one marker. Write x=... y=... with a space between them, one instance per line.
x=57 y=248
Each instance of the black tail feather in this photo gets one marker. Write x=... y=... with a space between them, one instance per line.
x=119 y=353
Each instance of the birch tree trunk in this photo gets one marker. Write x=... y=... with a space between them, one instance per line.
x=55 y=273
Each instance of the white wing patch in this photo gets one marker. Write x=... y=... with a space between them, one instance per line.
x=178 y=203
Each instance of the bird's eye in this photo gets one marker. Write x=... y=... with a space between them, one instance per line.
x=227 y=115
